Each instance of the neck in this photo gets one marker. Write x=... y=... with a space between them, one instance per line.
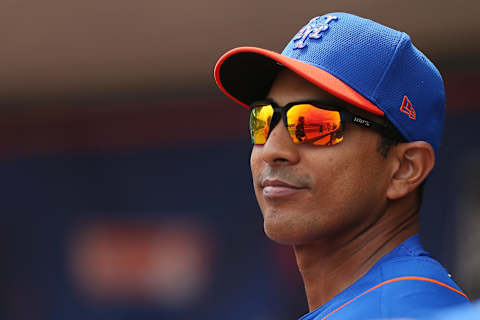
x=330 y=265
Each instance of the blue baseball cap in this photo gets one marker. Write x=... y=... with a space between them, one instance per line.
x=362 y=62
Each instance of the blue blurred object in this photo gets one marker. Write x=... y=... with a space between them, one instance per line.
x=462 y=312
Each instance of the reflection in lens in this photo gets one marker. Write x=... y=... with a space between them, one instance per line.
x=260 y=123
x=309 y=124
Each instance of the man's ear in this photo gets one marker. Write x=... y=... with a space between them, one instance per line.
x=413 y=162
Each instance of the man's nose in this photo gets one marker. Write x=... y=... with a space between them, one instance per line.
x=279 y=148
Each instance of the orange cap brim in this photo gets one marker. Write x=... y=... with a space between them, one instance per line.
x=315 y=75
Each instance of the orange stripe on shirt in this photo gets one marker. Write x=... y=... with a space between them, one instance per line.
x=395 y=280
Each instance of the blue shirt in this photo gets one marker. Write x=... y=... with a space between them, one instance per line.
x=405 y=283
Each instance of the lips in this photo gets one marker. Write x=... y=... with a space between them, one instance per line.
x=276 y=189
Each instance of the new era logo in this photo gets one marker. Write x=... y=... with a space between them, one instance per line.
x=408 y=109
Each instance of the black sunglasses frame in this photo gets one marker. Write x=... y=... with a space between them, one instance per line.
x=345 y=116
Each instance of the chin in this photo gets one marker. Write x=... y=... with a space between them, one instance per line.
x=285 y=233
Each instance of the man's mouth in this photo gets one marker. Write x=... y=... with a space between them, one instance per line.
x=276 y=188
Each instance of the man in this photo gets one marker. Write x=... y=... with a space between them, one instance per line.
x=346 y=196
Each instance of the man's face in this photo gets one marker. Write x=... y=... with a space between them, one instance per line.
x=309 y=192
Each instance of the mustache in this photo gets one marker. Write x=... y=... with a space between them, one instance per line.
x=285 y=174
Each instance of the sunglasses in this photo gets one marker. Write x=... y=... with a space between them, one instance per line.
x=308 y=122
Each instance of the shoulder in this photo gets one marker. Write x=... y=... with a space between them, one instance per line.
x=399 y=288
x=421 y=270
x=413 y=296
x=404 y=283
x=410 y=286
x=414 y=265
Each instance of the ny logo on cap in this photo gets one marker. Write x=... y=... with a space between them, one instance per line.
x=407 y=108
x=313 y=30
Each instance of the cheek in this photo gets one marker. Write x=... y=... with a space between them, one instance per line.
x=346 y=184
x=355 y=187
x=255 y=163
x=256 y=167
x=359 y=162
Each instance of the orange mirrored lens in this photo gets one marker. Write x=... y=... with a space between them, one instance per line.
x=309 y=124
x=260 y=123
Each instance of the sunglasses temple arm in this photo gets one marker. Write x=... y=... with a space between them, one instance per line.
x=360 y=121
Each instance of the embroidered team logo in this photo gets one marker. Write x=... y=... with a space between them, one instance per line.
x=408 y=109
x=313 y=30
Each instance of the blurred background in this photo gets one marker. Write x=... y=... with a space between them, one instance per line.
x=125 y=179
